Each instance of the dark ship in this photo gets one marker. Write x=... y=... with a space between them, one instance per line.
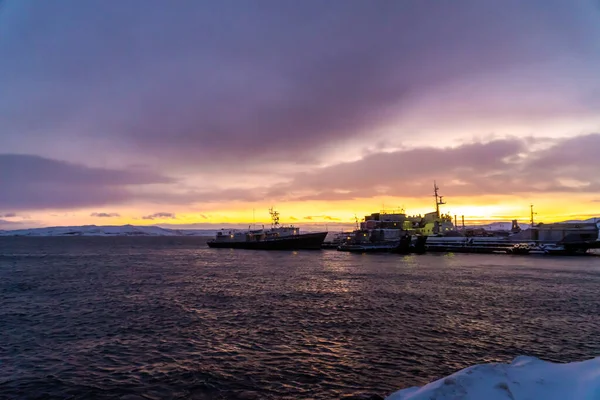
x=275 y=238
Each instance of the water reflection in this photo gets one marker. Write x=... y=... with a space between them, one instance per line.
x=148 y=318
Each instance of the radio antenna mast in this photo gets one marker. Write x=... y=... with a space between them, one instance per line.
x=532 y=213
x=439 y=200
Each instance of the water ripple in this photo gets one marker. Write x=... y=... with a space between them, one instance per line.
x=168 y=318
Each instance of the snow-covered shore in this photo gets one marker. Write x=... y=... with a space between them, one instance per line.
x=526 y=378
x=108 y=230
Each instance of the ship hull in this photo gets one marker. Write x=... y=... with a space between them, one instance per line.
x=368 y=248
x=305 y=241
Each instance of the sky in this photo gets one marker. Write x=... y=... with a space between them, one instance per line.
x=207 y=113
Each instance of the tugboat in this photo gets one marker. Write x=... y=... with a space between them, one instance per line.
x=276 y=238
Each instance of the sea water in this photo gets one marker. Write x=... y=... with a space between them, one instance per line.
x=169 y=318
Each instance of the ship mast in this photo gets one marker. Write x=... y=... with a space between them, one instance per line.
x=439 y=200
x=532 y=213
x=274 y=217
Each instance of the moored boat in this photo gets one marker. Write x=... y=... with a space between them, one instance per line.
x=275 y=238
x=435 y=232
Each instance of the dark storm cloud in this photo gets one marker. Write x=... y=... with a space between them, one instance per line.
x=223 y=83
x=160 y=215
x=32 y=182
x=105 y=215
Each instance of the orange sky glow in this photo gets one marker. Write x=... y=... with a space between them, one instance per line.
x=330 y=215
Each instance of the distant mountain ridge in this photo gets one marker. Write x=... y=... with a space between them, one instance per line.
x=135 y=230
x=107 y=230
x=501 y=225
x=595 y=219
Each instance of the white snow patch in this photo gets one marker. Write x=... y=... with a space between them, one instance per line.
x=526 y=378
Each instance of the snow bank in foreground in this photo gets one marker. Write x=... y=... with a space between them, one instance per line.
x=526 y=378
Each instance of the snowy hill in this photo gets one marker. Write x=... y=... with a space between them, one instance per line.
x=107 y=230
x=499 y=226
x=524 y=378
x=134 y=230
x=506 y=226
x=589 y=220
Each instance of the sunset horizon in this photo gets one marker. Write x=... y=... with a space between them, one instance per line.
x=308 y=214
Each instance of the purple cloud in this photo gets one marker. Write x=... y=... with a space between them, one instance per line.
x=104 y=215
x=32 y=182
x=325 y=217
x=506 y=166
x=499 y=167
x=160 y=215
x=10 y=225
x=225 y=86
